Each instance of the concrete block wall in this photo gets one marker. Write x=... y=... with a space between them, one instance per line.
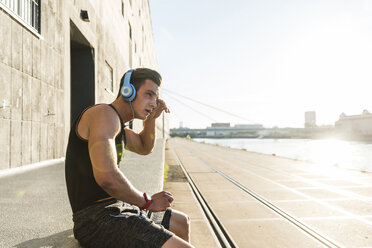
x=35 y=71
x=29 y=88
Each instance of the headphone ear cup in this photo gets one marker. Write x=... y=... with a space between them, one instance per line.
x=133 y=93
x=127 y=91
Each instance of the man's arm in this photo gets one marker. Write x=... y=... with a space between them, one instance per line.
x=143 y=143
x=102 y=151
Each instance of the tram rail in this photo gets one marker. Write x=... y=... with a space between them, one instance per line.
x=220 y=231
x=222 y=234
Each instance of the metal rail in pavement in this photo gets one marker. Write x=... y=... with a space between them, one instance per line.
x=220 y=232
x=306 y=228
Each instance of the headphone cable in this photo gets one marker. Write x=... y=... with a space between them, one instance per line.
x=130 y=103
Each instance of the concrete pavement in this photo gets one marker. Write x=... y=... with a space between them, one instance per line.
x=34 y=206
x=335 y=202
x=201 y=233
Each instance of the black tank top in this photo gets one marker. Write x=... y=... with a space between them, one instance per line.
x=82 y=188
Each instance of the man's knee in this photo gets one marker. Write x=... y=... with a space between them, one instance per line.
x=185 y=219
x=180 y=224
x=182 y=218
x=186 y=223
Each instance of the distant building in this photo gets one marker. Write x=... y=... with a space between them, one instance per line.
x=218 y=130
x=220 y=124
x=249 y=126
x=358 y=124
x=310 y=119
x=240 y=130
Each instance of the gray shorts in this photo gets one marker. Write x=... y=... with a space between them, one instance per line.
x=114 y=223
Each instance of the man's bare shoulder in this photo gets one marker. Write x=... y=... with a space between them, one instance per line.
x=99 y=119
x=99 y=110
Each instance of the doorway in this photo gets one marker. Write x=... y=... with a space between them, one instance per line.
x=82 y=73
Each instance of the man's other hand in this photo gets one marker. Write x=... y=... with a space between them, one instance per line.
x=161 y=201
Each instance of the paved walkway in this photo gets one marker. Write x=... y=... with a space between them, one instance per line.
x=334 y=202
x=201 y=233
x=34 y=207
x=35 y=212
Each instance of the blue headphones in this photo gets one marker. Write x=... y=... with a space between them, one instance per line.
x=128 y=92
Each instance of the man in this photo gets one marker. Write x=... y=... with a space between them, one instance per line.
x=108 y=211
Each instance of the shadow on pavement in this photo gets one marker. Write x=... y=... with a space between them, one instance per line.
x=63 y=239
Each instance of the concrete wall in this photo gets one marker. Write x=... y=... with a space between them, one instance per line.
x=35 y=71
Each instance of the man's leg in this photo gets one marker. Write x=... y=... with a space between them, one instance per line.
x=176 y=242
x=180 y=225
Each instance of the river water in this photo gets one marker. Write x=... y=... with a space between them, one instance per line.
x=346 y=154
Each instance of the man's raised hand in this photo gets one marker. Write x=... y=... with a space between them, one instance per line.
x=156 y=112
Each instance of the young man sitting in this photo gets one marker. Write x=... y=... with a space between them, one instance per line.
x=108 y=211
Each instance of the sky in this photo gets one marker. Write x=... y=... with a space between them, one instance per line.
x=264 y=61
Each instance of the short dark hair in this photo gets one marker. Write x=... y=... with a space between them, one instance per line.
x=139 y=77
